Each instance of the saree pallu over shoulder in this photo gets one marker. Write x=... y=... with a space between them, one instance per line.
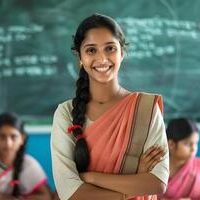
x=116 y=139
x=139 y=131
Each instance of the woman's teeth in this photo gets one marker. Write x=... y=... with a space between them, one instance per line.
x=101 y=69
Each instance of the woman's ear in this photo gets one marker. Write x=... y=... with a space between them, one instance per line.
x=79 y=59
x=80 y=63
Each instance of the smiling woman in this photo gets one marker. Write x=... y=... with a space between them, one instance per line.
x=101 y=55
x=20 y=175
x=94 y=153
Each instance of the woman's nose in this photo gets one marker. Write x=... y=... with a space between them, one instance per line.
x=9 y=143
x=102 y=58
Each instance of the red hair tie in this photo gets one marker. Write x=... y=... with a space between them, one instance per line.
x=14 y=182
x=73 y=127
x=80 y=136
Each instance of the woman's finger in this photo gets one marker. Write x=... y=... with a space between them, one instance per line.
x=153 y=157
x=158 y=158
x=151 y=153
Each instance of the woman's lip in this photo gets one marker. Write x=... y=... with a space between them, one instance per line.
x=102 y=69
x=97 y=67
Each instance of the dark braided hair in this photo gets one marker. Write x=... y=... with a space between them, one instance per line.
x=82 y=157
x=180 y=129
x=79 y=109
x=12 y=119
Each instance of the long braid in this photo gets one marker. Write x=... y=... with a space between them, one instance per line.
x=18 y=164
x=79 y=103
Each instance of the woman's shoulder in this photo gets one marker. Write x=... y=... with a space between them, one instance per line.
x=145 y=95
x=31 y=175
x=153 y=99
x=66 y=105
x=148 y=93
x=64 y=110
x=30 y=160
x=32 y=165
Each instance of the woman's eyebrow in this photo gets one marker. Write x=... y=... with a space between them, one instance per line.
x=110 y=43
x=89 y=45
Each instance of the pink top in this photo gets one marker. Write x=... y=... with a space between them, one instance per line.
x=186 y=182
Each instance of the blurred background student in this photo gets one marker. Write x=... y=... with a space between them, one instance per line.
x=20 y=174
x=184 y=181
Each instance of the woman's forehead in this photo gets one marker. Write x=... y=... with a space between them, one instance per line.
x=99 y=36
x=8 y=130
x=193 y=136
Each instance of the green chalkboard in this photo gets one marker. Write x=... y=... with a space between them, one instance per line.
x=38 y=70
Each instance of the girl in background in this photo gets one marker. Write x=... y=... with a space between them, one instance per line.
x=184 y=181
x=21 y=176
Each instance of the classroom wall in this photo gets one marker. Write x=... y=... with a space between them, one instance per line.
x=39 y=147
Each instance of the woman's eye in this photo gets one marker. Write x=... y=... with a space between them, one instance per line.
x=111 y=48
x=187 y=143
x=14 y=137
x=91 y=51
x=2 y=137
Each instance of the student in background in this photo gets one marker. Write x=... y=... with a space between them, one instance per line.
x=21 y=176
x=184 y=181
x=98 y=137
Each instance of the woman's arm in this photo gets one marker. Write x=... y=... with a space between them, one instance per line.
x=88 y=191
x=67 y=180
x=134 y=185
x=152 y=178
x=147 y=162
x=176 y=199
x=147 y=182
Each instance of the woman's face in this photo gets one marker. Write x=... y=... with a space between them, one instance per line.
x=186 y=148
x=10 y=142
x=101 y=55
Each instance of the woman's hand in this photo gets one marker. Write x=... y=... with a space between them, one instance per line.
x=86 y=177
x=147 y=162
x=150 y=158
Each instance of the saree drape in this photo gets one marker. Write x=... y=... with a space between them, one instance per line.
x=186 y=182
x=116 y=139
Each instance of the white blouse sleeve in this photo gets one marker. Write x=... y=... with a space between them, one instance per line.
x=32 y=176
x=157 y=135
x=65 y=174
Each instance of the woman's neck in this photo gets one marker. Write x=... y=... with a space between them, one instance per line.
x=175 y=165
x=6 y=162
x=104 y=92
